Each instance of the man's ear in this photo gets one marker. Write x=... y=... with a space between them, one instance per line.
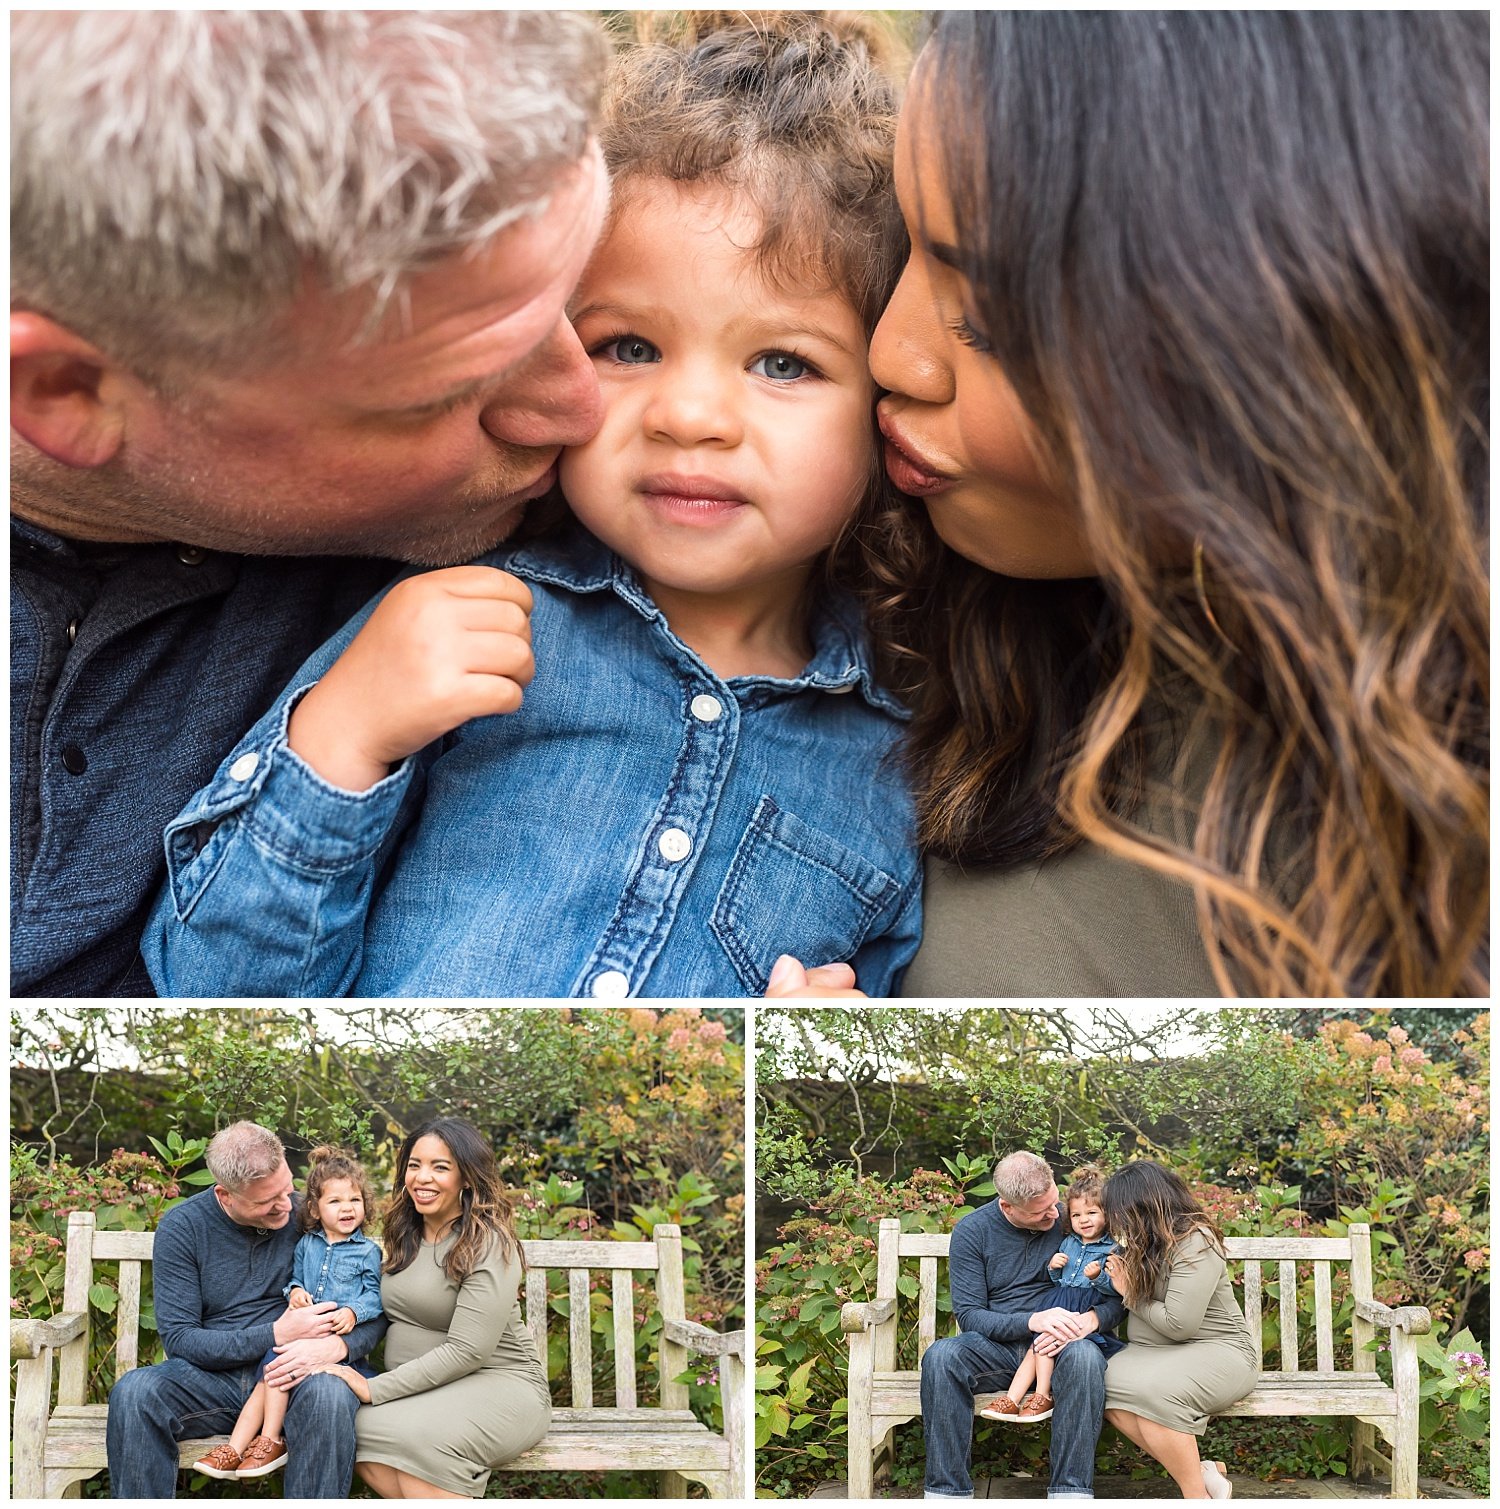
x=65 y=395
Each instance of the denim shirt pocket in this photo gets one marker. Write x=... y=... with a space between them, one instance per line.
x=793 y=889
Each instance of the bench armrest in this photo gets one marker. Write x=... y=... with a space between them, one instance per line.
x=865 y=1315
x=28 y=1338
x=1412 y=1319
x=703 y=1342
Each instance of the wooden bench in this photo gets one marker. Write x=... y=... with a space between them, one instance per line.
x=58 y=1447
x=881 y=1396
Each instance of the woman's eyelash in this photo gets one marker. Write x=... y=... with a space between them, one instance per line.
x=970 y=336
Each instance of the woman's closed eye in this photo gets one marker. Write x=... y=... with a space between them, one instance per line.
x=966 y=331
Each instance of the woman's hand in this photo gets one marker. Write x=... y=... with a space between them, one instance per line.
x=356 y=1380
x=825 y=982
x=1114 y=1266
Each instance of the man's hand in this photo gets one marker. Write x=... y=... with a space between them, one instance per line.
x=440 y=649
x=309 y=1320
x=298 y=1299
x=1057 y=1327
x=823 y=982
x=1059 y=1261
x=344 y=1321
x=298 y=1359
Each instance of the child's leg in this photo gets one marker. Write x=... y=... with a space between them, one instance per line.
x=1043 y=1373
x=247 y=1427
x=276 y=1403
x=1025 y=1375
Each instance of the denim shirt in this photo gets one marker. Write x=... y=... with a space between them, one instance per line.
x=639 y=827
x=1079 y=1255
x=346 y=1272
x=132 y=668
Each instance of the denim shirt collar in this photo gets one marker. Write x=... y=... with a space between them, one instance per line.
x=578 y=562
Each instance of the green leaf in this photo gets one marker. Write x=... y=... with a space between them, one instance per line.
x=166 y=1156
x=103 y=1297
x=198 y=1180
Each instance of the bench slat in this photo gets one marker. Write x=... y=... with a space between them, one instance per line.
x=591 y=1254
x=580 y=1338
x=1323 y=1314
x=1267 y=1249
x=536 y=1310
x=1252 y=1309
x=123 y=1246
x=1286 y=1304
x=128 y=1319
x=927 y=1306
x=922 y=1244
x=624 y=1319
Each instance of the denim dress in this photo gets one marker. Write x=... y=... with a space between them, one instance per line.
x=640 y=827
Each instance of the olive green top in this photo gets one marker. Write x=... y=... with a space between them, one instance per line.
x=1085 y=923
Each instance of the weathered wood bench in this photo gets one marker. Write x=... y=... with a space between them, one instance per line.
x=58 y=1447
x=881 y=1396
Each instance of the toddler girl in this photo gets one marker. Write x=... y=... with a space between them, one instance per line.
x=696 y=781
x=1077 y=1268
x=334 y=1261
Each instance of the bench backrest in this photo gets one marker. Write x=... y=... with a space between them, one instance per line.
x=1250 y=1253
x=572 y=1262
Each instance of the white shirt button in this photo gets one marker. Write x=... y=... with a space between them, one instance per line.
x=674 y=844
x=707 y=709
x=610 y=986
x=841 y=691
x=244 y=767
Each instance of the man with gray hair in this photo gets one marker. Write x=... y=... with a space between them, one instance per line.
x=997 y=1274
x=287 y=289
x=220 y=1264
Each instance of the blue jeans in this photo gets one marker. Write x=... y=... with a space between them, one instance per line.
x=957 y=1368
x=151 y=1409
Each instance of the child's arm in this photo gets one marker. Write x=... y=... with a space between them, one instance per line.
x=366 y=1304
x=1100 y=1278
x=300 y=1281
x=880 y=962
x=271 y=868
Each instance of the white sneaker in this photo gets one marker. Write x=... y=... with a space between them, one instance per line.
x=1219 y=1487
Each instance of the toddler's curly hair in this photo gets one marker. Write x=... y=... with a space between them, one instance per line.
x=325 y=1163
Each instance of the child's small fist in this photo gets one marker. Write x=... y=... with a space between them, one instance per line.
x=438 y=650
x=343 y=1321
x=1059 y=1260
x=298 y=1299
x=1091 y=1271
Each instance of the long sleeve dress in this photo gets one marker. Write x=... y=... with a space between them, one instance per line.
x=464 y=1391
x=1190 y=1352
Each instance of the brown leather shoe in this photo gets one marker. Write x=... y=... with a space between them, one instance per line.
x=221 y=1462
x=1003 y=1408
x=1038 y=1407
x=262 y=1455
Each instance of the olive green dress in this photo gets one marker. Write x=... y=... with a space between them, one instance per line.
x=1189 y=1353
x=463 y=1391
x=1086 y=923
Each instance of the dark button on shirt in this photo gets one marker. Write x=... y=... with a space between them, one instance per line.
x=134 y=668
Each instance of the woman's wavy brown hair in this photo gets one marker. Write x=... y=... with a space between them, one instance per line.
x=325 y=1163
x=1149 y=1210
x=486 y=1215
x=1237 y=268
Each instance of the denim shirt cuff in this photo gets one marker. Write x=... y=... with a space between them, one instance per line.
x=288 y=808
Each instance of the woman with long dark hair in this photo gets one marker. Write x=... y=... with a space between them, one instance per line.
x=463 y=1391
x=1190 y=1351
x=1189 y=378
